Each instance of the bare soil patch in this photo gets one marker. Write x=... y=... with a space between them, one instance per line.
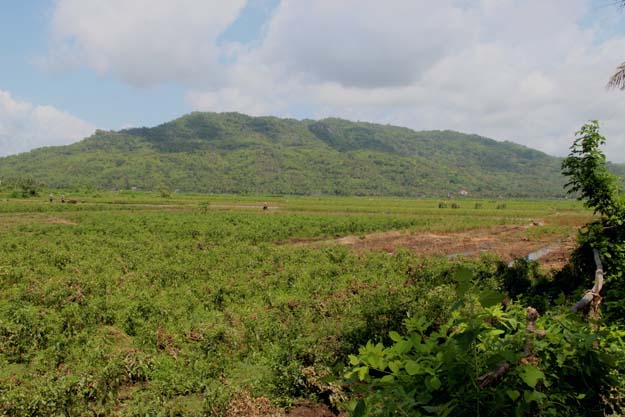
x=506 y=242
x=59 y=220
x=310 y=409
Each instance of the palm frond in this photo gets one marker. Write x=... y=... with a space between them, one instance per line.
x=618 y=78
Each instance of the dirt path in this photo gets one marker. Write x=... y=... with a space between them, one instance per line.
x=506 y=242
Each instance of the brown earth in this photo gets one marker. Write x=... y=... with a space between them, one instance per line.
x=59 y=220
x=309 y=409
x=506 y=242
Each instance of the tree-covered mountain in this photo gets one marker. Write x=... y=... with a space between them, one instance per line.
x=235 y=153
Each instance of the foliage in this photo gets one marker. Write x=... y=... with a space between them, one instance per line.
x=22 y=187
x=132 y=304
x=599 y=190
x=588 y=175
x=235 y=153
x=438 y=370
x=517 y=278
x=487 y=361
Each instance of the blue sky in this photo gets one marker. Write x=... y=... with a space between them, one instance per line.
x=102 y=100
x=527 y=71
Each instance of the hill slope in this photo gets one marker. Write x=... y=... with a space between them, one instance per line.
x=235 y=153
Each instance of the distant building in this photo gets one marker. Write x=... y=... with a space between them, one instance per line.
x=463 y=193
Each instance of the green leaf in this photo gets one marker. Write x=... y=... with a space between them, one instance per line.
x=387 y=379
x=531 y=375
x=513 y=394
x=509 y=355
x=360 y=409
x=363 y=371
x=413 y=368
x=403 y=347
x=463 y=277
x=489 y=298
x=533 y=396
x=395 y=337
x=433 y=383
x=394 y=366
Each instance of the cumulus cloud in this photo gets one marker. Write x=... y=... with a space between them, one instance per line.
x=522 y=71
x=365 y=43
x=531 y=71
x=24 y=126
x=143 y=42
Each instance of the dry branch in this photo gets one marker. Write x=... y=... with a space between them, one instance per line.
x=531 y=332
x=593 y=294
x=494 y=375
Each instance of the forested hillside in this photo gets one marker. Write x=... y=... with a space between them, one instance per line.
x=235 y=153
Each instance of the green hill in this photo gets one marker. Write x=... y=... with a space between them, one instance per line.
x=235 y=153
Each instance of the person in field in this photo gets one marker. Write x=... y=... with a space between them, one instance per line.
x=51 y=197
x=62 y=198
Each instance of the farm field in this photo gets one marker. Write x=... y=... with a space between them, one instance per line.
x=133 y=304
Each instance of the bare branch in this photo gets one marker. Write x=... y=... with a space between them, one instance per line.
x=596 y=289
x=492 y=376
x=531 y=333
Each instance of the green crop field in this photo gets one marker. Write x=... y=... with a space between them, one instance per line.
x=133 y=304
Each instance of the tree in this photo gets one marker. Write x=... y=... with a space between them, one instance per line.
x=598 y=188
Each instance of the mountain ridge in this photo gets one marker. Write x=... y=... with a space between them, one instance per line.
x=236 y=153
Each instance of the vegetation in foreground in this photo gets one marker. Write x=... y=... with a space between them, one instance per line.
x=138 y=304
x=201 y=308
x=488 y=360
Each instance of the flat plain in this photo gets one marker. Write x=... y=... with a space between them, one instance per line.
x=130 y=303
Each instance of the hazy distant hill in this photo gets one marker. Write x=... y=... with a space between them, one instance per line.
x=235 y=153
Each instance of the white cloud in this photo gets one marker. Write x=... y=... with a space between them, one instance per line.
x=365 y=43
x=528 y=71
x=24 y=126
x=144 y=42
x=521 y=71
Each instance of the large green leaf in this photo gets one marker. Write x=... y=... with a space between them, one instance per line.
x=531 y=375
x=360 y=409
x=489 y=298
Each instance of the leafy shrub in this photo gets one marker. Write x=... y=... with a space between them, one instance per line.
x=443 y=371
x=516 y=278
x=23 y=187
x=599 y=189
